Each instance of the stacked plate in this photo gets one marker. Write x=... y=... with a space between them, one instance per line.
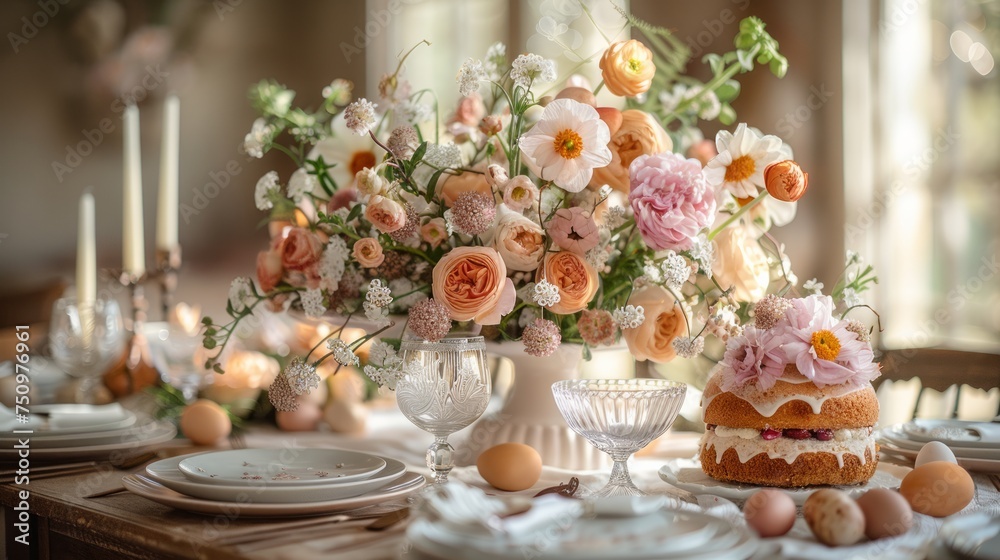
x=60 y=432
x=976 y=445
x=274 y=482
x=665 y=535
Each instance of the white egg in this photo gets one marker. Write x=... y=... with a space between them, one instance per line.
x=934 y=451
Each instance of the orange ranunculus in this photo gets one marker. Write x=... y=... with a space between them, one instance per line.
x=450 y=187
x=654 y=338
x=368 y=252
x=786 y=181
x=638 y=135
x=576 y=280
x=627 y=68
x=472 y=283
x=741 y=263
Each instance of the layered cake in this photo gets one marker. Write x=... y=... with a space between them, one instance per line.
x=791 y=404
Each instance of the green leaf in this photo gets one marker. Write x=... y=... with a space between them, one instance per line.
x=728 y=91
x=429 y=194
x=418 y=155
x=354 y=213
x=715 y=62
x=779 y=66
x=218 y=369
x=727 y=115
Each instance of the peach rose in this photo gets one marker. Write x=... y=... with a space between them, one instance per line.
x=741 y=263
x=434 y=231
x=654 y=338
x=472 y=283
x=300 y=249
x=368 y=252
x=520 y=241
x=576 y=280
x=269 y=270
x=627 y=68
x=639 y=134
x=385 y=214
x=451 y=186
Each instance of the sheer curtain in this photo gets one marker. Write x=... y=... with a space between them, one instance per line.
x=922 y=101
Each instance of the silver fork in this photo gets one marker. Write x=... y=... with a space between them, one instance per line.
x=237 y=440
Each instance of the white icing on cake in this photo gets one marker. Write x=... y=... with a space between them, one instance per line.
x=766 y=403
x=845 y=442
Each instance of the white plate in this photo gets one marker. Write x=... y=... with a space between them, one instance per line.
x=665 y=534
x=151 y=490
x=166 y=473
x=897 y=437
x=969 y=463
x=44 y=440
x=59 y=420
x=686 y=474
x=280 y=467
x=137 y=440
x=974 y=536
x=961 y=436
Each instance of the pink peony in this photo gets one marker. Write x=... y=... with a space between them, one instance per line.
x=671 y=200
x=821 y=346
x=755 y=355
x=574 y=229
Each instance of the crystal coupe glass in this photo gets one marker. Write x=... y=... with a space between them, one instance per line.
x=619 y=417
x=445 y=386
x=85 y=340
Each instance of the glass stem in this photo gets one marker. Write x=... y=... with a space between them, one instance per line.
x=440 y=459
x=619 y=472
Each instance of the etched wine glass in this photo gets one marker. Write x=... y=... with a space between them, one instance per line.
x=85 y=340
x=619 y=417
x=444 y=387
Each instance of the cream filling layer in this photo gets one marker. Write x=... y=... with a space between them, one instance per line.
x=789 y=449
x=751 y=433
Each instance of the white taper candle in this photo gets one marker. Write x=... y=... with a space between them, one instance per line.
x=133 y=243
x=166 y=208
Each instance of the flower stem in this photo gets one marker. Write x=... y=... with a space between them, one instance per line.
x=737 y=215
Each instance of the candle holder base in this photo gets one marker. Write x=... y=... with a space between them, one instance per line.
x=136 y=372
x=168 y=264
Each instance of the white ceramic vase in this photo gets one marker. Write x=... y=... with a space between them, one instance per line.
x=530 y=416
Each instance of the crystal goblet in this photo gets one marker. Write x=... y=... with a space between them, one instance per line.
x=178 y=356
x=85 y=340
x=444 y=387
x=619 y=417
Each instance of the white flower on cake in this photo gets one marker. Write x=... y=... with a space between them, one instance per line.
x=545 y=293
x=689 y=347
x=675 y=270
x=743 y=155
x=266 y=187
x=629 y=317
x=566 y=144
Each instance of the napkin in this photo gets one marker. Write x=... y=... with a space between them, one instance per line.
x=62 y=416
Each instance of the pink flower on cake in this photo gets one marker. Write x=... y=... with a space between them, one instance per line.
x=671 y=200
x=822 y=347
x=755 y=355
x=567 y=144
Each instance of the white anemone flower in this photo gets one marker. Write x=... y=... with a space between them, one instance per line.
x=742 y=158
x=351 y=153
x=566 y=144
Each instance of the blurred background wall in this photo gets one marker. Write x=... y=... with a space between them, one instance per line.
x=67 y=71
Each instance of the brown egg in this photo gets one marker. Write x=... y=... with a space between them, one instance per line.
x=938 y=489
x=346 y=417
x=834 y=517
x=770 y=512
x=580 y=94
x=887 y=513
x=303 y=419
x=205 y=423
x=510 y=466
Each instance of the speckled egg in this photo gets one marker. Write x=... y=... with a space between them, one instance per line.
x=938 y=489
x=834 y=517
x=510 y=466
x=205 y=423
x=934 y=451
x=770 y=512
x=887 y=513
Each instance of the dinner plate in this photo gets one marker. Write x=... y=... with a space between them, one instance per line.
x=948 y=432
x=686 y=474
x=152 y=490
x=46 y=440
x=974 y=536
x=62 y=420
x=969 y=463
x=665 y=534
x=897 y=437
x=165 y=472
x=137 y=440
x=280 y=467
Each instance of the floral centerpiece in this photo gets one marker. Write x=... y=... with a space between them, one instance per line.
x=529 y=211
